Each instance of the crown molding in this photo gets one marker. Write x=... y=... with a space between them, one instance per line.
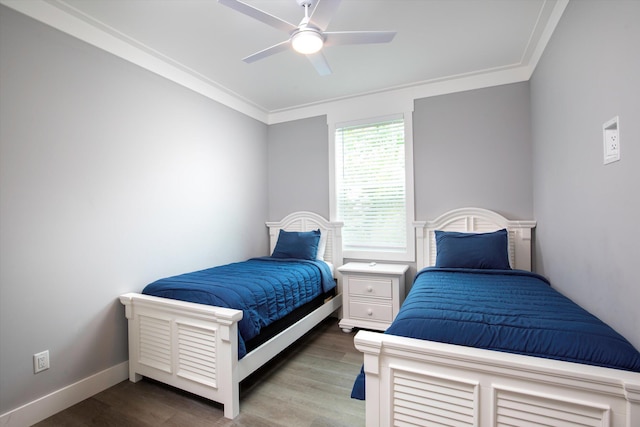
x=62 y=16
x=65 y=18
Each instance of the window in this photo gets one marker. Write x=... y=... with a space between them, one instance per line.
x=373 y=188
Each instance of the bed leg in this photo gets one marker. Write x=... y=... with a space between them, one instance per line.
x=127 y=301
x=134 y=378
x=227 y=365
x=232 y=408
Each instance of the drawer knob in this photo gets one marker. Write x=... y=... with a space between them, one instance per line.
x=369 y=288
x=369 y=312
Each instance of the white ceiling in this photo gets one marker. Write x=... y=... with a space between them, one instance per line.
x=202 y=43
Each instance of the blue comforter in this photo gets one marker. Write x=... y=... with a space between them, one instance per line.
x=506 y=310
x=265 y=289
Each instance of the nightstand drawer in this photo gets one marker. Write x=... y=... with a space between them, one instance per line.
x=370 y=287
x=379 y=312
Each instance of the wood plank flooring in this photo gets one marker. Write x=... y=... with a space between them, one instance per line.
x=308 y=385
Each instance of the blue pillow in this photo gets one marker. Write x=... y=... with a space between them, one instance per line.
x=472 y=250
x=297 y=244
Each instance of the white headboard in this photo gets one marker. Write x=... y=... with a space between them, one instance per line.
x=308 y=221
x=475 y=220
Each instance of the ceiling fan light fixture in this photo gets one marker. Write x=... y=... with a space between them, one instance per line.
x=307 y=41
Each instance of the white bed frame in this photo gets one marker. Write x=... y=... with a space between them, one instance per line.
x=194 y=347
x=412 y=382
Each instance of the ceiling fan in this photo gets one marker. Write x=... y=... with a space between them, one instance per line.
x=308 y=37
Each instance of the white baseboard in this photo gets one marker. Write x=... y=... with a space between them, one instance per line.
x=59 y=400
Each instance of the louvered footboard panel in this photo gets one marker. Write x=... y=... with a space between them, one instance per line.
x=155 y=343
x=420 y=399
x=197 y=354
x=523 y=409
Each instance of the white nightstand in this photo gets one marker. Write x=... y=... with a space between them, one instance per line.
x=372 y=294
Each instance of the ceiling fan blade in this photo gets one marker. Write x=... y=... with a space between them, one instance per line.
x=320 y=63
x=260 y=15
x=277 y=48
x=323 y=12
x=358 y=37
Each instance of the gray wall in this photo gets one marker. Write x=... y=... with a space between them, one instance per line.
x=470 y=149
x=474 y=149
x=110 y=177
x=587 y=212
x=299 y=167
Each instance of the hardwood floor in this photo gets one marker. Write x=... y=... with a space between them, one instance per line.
x=308 y=385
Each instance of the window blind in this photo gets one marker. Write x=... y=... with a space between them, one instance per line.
x=370 y=186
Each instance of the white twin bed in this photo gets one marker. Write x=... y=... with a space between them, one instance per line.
x=413 y=382
x=194 y=347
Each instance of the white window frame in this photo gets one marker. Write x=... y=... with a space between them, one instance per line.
x=409 y=254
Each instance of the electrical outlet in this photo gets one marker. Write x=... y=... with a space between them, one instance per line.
x=611 y=140
x=40 y=361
